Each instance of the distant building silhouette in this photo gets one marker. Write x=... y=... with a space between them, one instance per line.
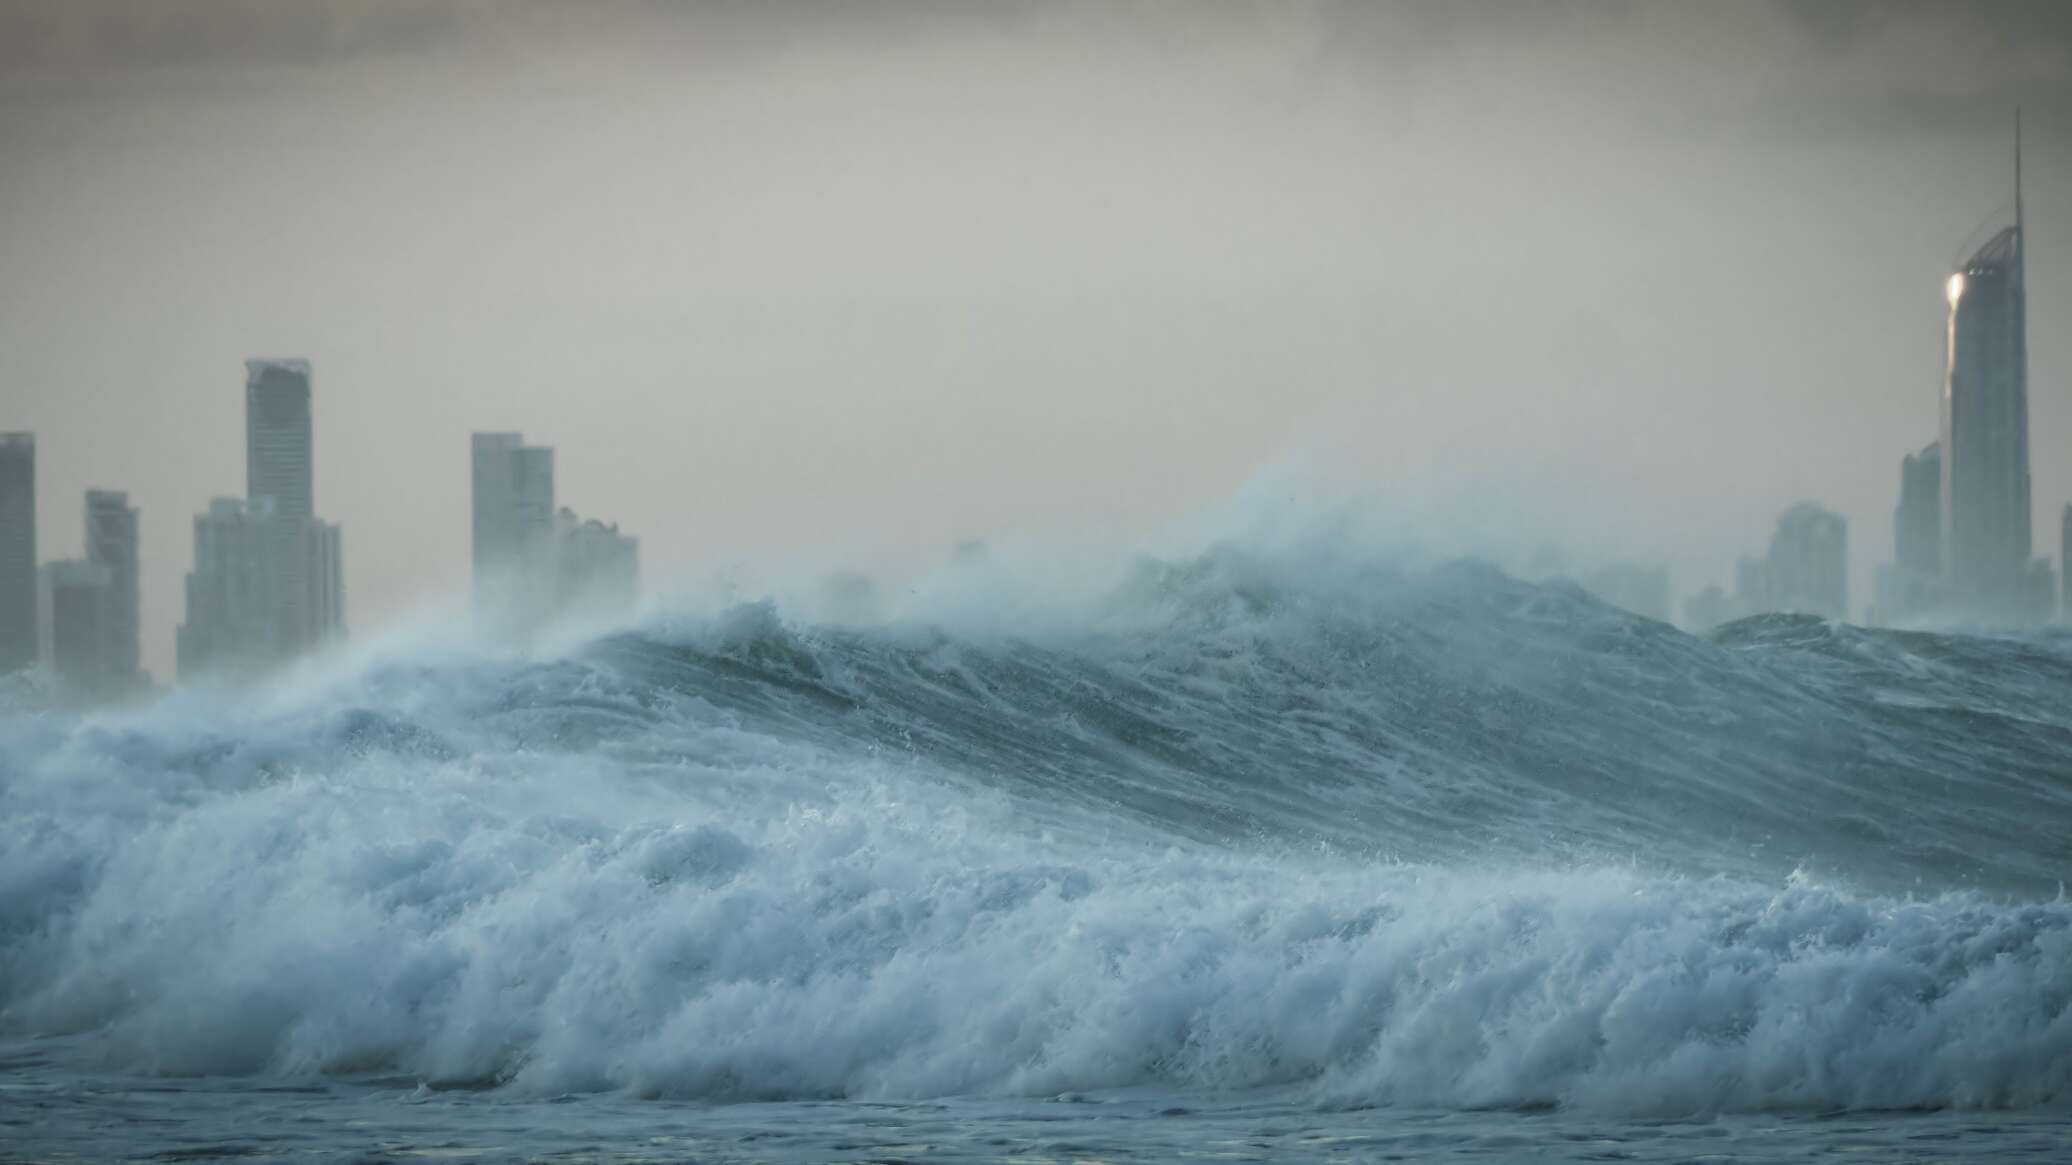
x=78 y=609
x=2065 y=564
x=268 y=579
x=594 y=563
x=279 y=468
x=1917 y=524
x=111 y=542
x=1807 y=570
x=318 y=612
x=1913 y=585
x=2039 y=594
x=278 y=457
x=18 y=583
x=513 y=519
x=1985 y=428
x=230 y=624
x=248 y=610
x=532 y=560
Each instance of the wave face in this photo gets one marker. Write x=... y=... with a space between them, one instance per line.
x=1444 y=839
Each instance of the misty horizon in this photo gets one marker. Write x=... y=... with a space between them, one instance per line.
x=792 y=581
x=789 y=289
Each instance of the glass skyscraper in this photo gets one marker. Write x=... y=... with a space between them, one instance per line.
x=513 y=519
x=268 y=578
x=1985 y=428
x=277 y=436
x=111 y=543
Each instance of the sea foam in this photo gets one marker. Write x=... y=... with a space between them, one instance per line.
x=745 y=859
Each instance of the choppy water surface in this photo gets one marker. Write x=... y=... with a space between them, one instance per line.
x=79 y=1118
x=1245 y=862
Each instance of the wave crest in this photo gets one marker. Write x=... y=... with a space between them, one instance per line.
x=1448 y=839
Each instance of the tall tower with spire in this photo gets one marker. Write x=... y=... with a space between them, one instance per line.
x=1985 y=425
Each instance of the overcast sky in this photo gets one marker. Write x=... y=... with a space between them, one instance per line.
x=863 y=280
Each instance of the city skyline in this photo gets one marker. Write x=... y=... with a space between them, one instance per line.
x=1946 y=558
x=873 y=579
x=265 y=582
x=730 y=350
x=1962 y=529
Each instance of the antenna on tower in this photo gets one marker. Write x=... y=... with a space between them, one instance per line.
x=2018 y=177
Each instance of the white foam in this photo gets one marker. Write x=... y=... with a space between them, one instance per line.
x=567 y=923
x=552 y=877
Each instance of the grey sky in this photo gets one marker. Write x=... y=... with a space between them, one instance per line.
x=863 y=280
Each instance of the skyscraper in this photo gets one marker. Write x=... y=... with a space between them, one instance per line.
x=596 y=566
x=309 y=564
x=323 y=553
x=2065 y=563
x=1912 y=585
x=239 y=597
x=1985 y=427
x=231 y=623
x=512 y=496
x=111 y=543
x=77 y=606
x=268 y=578
x=2039 y=593
x=1807 y=570
x=1917 y=524
x=278 y=469
x=277 y=436
x=531 y=560
x=17 y=551
x=513 y=507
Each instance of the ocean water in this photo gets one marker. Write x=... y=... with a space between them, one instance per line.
x=1244 y=860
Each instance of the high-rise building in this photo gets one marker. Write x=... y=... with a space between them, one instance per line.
x=77 y=598
x=231 y=608
x=1985 y=427
x=532 y=561
x=1912 y=585
x=2065 y=563
x=111 y=542
x=268 y=578
x=322 y=551
x=247 y=609
x=278 y=469
x=278 y=462
x=1917 y=523
x=2039 y=593
x=18 y=584
x=1807 y=569
x=596 y=566
x=310 y=588
x=513 y=507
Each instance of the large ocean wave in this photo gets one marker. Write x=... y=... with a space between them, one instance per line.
x=1436 y=838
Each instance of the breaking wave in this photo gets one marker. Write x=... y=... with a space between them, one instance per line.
x=1440 y=838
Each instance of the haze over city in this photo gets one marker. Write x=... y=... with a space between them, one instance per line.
x=796 y=281
x=623 y=580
